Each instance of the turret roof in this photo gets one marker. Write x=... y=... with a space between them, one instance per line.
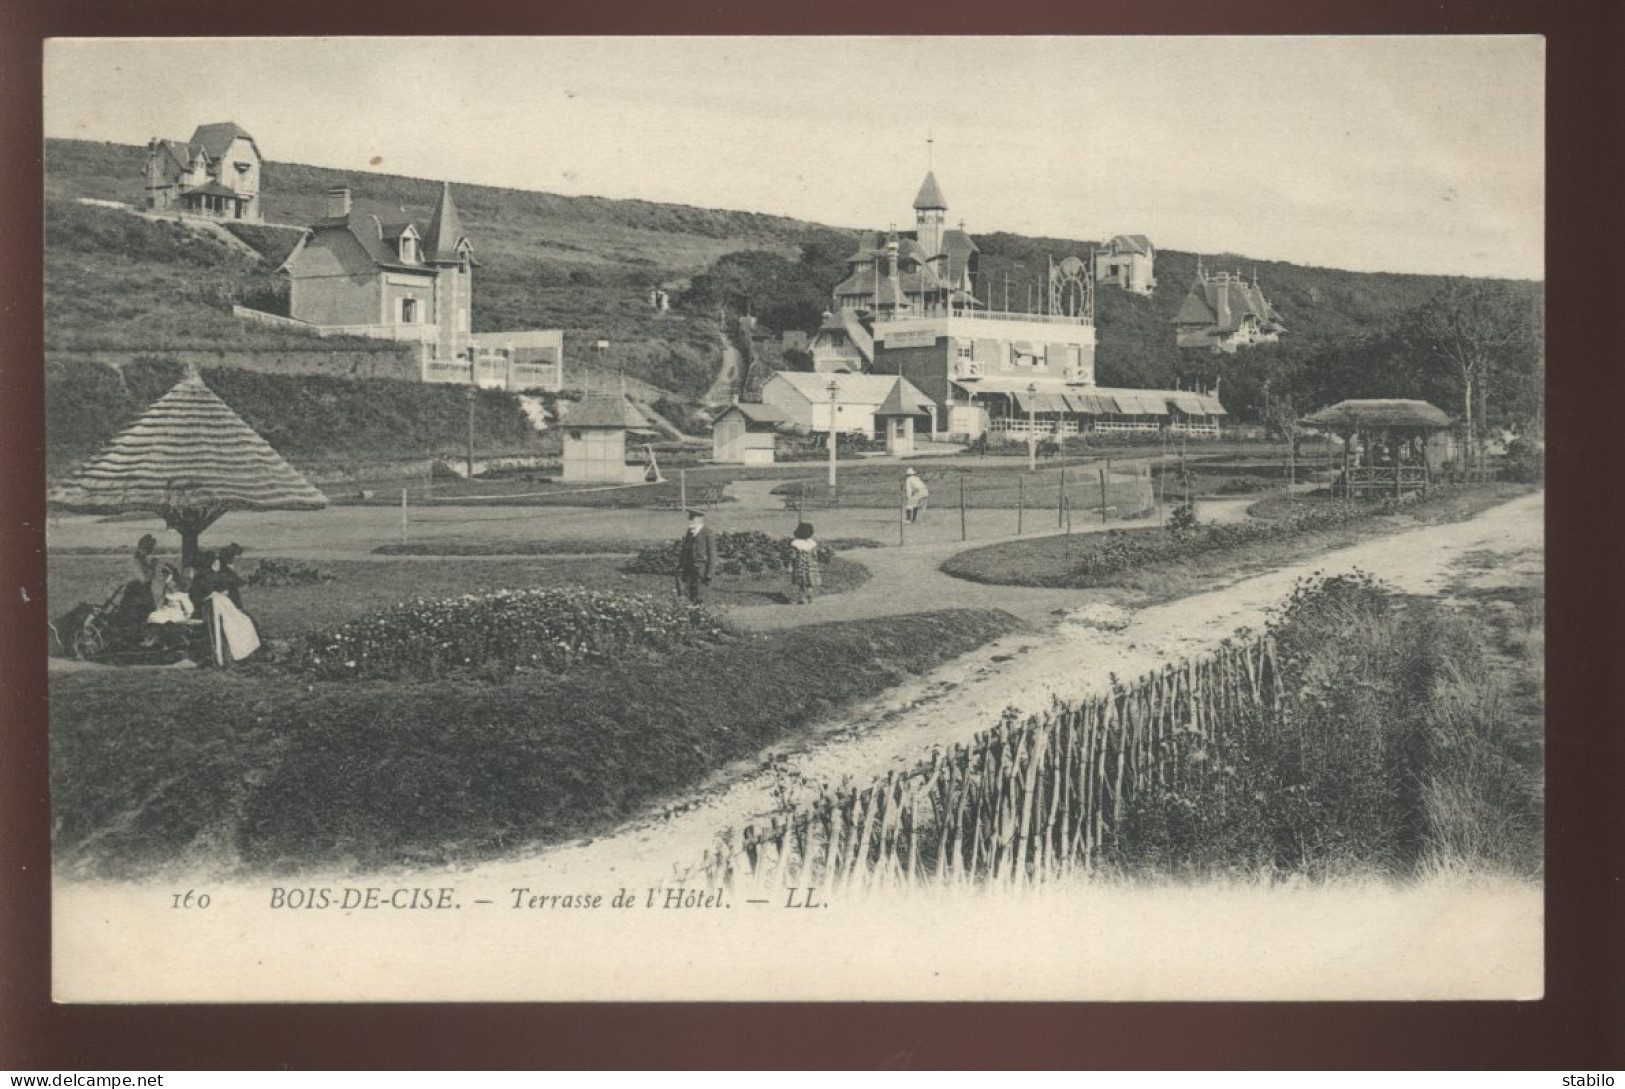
x=930 y=194
x=445 y=229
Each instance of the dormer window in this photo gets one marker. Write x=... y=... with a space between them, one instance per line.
x=409 y=248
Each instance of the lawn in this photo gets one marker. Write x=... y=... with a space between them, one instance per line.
x=258 y=770
x=363 y=586
x=1057 y=561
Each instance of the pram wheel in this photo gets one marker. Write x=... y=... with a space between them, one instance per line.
x=89 y=641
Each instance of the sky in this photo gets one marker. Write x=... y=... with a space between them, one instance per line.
x=1403 y=154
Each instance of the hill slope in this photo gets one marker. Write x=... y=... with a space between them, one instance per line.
x=586 y=264
x=583 y=264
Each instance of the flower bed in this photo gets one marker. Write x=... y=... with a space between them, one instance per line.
x=272 y=572
x=498 y=633
x=1117 y=551
x=1109 y=558
x=743 y=552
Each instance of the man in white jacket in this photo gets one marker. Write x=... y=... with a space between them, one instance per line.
x=915 y=493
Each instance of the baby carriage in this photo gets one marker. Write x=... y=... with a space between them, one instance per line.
x=116 y=632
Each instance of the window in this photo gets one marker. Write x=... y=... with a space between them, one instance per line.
x=409 y=248
x=966 y=350
x=409 y=311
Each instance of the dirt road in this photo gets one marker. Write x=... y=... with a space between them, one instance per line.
x=1078 y=656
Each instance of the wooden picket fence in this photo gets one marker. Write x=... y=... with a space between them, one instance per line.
x=1026 y=802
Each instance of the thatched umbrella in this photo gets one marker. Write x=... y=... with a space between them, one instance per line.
x=1391 y=422
x=188 y=459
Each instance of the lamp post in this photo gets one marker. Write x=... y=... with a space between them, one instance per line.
x=469 y=395
x=834 y=391
x=1032 y=427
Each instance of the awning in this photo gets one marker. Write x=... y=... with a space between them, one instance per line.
x=1188 y=403
x=1041 y=402
x=1131 y=403
x=1093 y=404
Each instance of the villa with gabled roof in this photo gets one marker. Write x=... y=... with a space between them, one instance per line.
x=1127 y=261
x=355 y=269
x=1224 y=312
x=215 y=174
x=382 y=274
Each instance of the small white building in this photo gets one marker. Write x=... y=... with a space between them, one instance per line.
x=1127 y=261
x=743 y=433
x=804 y=398
x=595 y=432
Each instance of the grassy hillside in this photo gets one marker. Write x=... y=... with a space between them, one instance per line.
x=583 y=264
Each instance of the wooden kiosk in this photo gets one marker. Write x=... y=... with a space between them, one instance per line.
x=1387 y=444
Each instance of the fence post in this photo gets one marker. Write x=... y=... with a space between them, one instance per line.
x=1021 y=501
x=1060 y=501
x=902 y=521
x=682 y=489
x=962 y=532
x=1103 y=496
x=403 y=516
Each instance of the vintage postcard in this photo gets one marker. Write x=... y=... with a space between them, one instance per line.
x=795 y=518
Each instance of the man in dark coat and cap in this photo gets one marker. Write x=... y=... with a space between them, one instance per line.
x=695 y=557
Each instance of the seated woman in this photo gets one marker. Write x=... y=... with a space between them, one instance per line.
x=141 y=594
x=172 y=622
x=232 y=634
x=226 y=580
x=200 y=579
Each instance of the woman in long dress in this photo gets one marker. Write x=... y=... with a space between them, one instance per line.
x=232 y=634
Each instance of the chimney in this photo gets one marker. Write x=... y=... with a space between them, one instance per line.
x=338 y=202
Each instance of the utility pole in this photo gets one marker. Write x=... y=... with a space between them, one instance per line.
x=1032 y=427
x=470 y=397
x=834 y=391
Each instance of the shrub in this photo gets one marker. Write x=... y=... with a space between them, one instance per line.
x=1117 y=550
x=1525 y=463
x=1328 y=784
x=737 y=553
x=498 y=633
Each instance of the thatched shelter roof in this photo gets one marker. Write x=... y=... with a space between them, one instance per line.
x=1371 y=415
x=189 y=452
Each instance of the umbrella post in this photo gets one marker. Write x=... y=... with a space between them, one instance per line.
x=190 y=524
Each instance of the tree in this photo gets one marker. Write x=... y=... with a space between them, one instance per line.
x=1484 y=333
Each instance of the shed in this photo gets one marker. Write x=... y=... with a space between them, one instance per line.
x=899 y=411
x=1387 y=443
x=595 y=433
x=743 y=433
